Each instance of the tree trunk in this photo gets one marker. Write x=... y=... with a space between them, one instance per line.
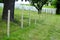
x=39 y=11
x=8 y=5
x=58 y=10
x=58 y=7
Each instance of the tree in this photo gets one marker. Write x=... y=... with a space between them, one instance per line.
x=38 y=4
x=58 y=7
x=53 y=2
x=1 y=1
x=8 y=5
x=49 y=2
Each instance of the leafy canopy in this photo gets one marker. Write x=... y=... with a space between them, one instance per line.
x=38 y=4
x=1 y=1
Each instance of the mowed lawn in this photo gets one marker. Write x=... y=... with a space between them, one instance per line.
x=47 y=27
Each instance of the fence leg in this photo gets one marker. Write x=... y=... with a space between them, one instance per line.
x=29 y=18
x=22 y=20
x=35 y=20
x=8 y=24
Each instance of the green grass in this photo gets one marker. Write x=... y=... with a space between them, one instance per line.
x=47 y=27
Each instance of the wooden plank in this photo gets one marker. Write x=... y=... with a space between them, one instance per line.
x=8 y=24
x=22 y=20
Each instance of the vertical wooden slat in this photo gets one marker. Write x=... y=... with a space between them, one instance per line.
x=22 y=18
x=8 y=24
x=29 y=18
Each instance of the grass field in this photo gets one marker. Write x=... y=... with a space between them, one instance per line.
x=47 y=27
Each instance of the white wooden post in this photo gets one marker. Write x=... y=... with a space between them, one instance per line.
x=29 y=18
x=35 y=19
x=8 y=24
x=38 y=17
x=50 y=10
x=22 y=18
x=45 y=10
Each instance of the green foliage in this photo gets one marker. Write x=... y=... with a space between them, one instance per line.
x=1 y=1
x=58 y=7
x=54 y=2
